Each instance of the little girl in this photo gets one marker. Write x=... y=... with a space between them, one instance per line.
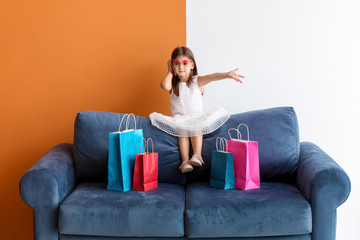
x=188 y=122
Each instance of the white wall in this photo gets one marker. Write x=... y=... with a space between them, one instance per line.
x=304 y=54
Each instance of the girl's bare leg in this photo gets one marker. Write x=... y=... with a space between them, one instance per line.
x=196 y=143
x=184 y=147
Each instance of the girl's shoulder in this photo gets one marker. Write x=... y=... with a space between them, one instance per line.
x=194 y=79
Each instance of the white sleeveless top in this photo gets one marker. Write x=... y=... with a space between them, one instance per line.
x=189 y=100
x=187 y=118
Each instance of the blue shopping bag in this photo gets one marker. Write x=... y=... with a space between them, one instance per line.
x=222 y=167
x=123 y=147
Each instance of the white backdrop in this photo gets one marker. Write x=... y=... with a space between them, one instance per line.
x=304 y=54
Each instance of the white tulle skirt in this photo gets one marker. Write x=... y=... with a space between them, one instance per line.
x=190 y=125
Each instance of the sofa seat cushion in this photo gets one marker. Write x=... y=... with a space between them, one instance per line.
x=93 y=210
x=276 y=209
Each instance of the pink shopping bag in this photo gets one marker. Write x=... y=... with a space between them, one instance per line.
x=246 y=160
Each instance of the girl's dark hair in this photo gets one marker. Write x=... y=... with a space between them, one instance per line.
x=182 y=51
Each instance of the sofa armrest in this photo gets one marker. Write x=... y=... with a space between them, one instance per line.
x=51 y=179
x=325 y=185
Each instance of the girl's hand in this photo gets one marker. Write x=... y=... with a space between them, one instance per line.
x=232 y=74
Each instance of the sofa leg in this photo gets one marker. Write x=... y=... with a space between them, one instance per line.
x=46 y=224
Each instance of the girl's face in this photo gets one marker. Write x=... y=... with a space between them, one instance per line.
x=182 y=66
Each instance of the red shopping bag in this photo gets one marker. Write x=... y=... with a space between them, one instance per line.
x=146 y=169
x=246 y=161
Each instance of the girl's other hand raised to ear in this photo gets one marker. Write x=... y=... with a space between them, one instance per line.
x=232 y=74
x=170 y=69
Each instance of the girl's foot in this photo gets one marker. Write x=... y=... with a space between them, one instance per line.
x=186 y=166
x=196 y=161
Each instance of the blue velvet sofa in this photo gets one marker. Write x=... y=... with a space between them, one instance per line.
x=301 y=187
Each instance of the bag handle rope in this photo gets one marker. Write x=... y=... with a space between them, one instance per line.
x=247 y=128
x=152 y=143
x=141 y=144
x=223 y=143
x=128 y=121
x=146 y=147
x=122 y=119
x=238 y=133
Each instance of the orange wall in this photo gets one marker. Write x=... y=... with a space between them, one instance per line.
x=61 y=57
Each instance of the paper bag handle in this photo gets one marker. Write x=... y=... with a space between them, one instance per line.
x=128 y=121
x=223 y=143
x=226 y=147
x=238 y=133
x=220 y=139
x=147 y=145
x=122 y=119
x=247 y=128
x=143 y=139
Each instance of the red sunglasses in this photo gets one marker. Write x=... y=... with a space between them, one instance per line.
x=184 y=62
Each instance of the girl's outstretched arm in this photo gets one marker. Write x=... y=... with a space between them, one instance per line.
x=166 y=82
x=203 y=80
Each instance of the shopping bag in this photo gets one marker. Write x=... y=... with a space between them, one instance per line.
x=246 y=160
x=146 y=169
x=222 y=166
x=123 y=147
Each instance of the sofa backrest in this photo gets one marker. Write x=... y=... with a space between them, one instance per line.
x=275 y=129
x=91 y=145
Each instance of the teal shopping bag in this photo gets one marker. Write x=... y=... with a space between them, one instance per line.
x=123 y=147
x=222 y=167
